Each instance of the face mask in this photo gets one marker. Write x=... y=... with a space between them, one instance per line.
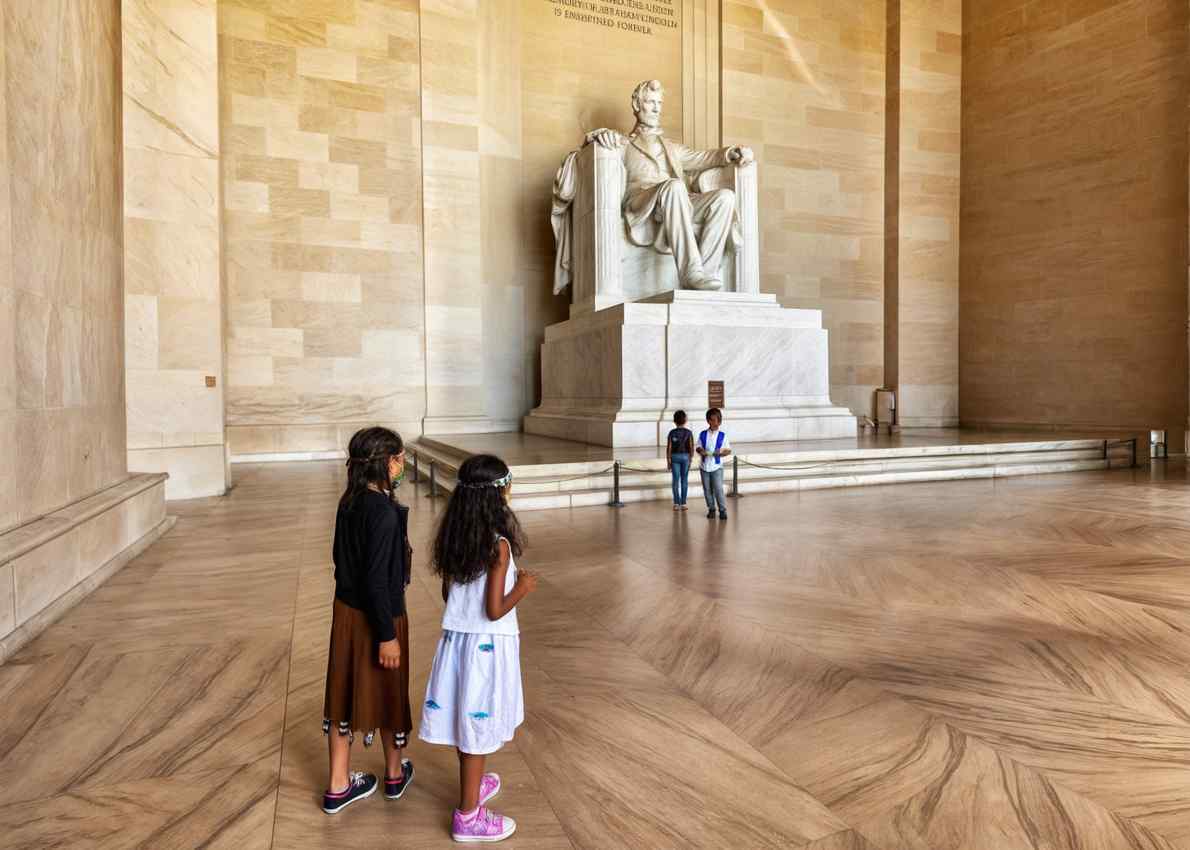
x=398 y=479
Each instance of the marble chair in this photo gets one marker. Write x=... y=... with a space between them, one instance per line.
x=608 y=269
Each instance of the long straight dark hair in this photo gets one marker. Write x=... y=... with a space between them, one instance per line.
x=466 y=543
x=367 y=461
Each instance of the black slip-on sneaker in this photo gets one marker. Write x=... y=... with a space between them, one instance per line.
x=359 y=786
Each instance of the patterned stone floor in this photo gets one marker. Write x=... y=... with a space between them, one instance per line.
x=979 y=665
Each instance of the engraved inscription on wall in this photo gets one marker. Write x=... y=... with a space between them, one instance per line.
x=646 y=17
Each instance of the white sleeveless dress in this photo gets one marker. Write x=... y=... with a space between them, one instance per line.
x=474 y=699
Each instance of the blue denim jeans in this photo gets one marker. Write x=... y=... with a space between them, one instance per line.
x=712 y=489
x=680 y=470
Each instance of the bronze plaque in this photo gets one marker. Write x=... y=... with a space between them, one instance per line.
x=210 y=380
x=715 y=394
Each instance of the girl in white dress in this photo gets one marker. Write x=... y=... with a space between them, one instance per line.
x=473 y=698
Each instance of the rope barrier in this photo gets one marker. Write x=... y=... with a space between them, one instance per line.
x=627 y=468
x=598 y=474
x=787 y=468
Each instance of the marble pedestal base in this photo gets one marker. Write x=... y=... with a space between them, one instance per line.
x=614 y=377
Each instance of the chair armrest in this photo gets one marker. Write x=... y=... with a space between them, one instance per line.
x=741 y=179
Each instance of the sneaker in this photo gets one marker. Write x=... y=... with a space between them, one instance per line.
x=684 y=507
x=359 y=786
x=677 y=507
x=710 y=514
x=482 y=826
x=394 y=788
x=489 y=787
x=723 y=515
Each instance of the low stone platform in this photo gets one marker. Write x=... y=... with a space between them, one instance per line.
x=550 y=473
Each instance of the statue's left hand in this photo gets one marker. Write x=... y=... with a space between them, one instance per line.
x=740 y=155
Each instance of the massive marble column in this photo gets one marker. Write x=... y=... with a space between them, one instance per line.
x=922 y=210
x=173 y=301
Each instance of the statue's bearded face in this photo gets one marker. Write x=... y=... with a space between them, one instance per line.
x=649 y=111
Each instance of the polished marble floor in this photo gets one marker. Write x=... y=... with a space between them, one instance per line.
x=975 y=665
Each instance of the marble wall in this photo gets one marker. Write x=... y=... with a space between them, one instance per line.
x=62 y=419
x=70 y=514
x=321 y=162
x=804 y=85
x=922 y=210
x=173 y=303
x=1074 y=213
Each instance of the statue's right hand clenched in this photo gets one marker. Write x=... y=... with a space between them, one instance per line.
x=605 y=138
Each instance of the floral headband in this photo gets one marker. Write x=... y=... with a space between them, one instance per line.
x=498 y=483
x=372 y=458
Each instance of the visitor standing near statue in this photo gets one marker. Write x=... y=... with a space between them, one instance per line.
x=679 y=449
x=660 y=209
x=367 y=672
x=713 y=446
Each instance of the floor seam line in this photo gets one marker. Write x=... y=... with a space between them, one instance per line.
x=297 y=587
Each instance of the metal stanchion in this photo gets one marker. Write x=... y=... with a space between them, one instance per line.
x=433 y=494
x=615 y=502
x=416 y=474
x=735 y=477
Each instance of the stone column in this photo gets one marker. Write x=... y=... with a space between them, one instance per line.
x=922 y=210
x=702 y=37
x=173 y=299
x=452 y=215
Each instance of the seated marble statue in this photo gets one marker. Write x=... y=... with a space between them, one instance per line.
x=664 y=205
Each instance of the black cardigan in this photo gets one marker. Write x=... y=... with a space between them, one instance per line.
x=372 y=560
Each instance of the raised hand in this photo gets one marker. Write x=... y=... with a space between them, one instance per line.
x=526 y=580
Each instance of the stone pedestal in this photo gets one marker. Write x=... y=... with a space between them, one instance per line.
x=614 y=377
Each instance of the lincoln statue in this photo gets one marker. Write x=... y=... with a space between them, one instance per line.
x=660 y=210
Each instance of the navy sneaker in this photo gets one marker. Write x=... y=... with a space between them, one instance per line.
x=723 y=515
x=710 y=514
x=394 y=788
x=359 y=786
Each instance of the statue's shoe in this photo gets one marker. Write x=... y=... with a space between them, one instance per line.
x=706 y=282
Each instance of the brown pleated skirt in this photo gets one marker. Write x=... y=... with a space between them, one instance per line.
x=361 y=696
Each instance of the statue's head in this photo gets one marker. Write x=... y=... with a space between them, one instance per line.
x=646 y=103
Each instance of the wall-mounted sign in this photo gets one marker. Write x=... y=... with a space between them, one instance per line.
x=715 y=396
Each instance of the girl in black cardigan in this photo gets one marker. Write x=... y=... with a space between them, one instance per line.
x=367 y=676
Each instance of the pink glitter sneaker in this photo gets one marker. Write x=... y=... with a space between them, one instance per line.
x=481 y=825
x=489 y=787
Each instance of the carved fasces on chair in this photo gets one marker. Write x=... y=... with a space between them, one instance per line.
x=598 y=222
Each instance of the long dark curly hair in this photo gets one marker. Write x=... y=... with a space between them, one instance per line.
x=477 y=516
x=367 y=461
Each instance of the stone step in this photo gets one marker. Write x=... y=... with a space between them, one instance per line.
x=587 y=483
x=633 y=476
x=601 y=495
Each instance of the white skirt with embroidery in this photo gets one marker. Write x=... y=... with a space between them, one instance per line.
x=474 y=699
